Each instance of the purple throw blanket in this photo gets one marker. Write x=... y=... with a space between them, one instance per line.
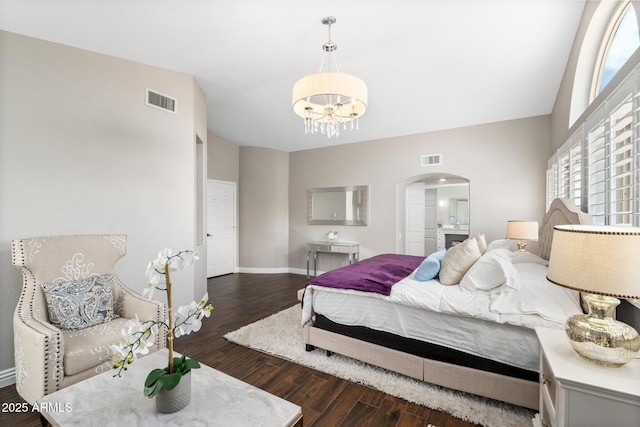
x=377 y=274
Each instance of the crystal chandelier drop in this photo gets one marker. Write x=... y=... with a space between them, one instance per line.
x=329 y=98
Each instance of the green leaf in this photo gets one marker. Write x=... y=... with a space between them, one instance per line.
x=153 y=377
x=172 y=380
x=151 y=391
x=191 y=364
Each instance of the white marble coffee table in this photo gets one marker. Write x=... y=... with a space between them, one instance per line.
x=216 y=399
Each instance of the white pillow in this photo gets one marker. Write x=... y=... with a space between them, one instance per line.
x=502 y=244
x=482 y=242
x=492 y=272
x=458 y=260
x=537 y=296
x=527 y=257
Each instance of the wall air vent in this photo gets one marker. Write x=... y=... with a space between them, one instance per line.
x=430 y=159
x=161 y=101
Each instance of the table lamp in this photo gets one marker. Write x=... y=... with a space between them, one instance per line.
x=603 y=262
x=522 y=230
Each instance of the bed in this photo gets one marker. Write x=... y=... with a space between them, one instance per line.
x=476 y=335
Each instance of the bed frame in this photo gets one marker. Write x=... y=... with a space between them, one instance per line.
x=504 y=388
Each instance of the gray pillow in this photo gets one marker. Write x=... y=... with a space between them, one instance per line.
x=79 y=304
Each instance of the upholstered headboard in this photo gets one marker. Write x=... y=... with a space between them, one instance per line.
x=561 y=212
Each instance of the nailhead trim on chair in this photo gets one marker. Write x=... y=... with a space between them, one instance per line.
x=18 y=259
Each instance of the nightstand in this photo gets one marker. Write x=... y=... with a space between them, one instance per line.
x=577 y=393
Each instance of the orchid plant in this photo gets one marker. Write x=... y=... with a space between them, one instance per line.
x=138 y=336
x=332 y=236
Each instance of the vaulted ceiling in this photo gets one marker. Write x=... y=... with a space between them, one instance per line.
x=428 y=64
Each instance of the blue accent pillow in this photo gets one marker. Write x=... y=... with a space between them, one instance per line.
x=430 y=267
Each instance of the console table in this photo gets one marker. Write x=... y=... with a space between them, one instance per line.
x=216 y=399
x=352 y=250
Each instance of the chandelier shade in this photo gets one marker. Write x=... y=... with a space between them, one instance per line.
x=330 y=96
x=328 y=99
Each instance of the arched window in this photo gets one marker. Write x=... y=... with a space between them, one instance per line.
x=598 y=167
x=618 y=46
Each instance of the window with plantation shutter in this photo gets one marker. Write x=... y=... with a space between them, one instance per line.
x=621 y=164
x=564 y=171
x=552 y=181
x=563 y=175
x=636 y=160
x=575 y=173
x=597 y=167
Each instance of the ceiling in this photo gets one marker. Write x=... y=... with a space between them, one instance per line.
x=428 y=64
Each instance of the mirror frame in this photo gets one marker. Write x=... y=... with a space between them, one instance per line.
x=365 y=205
x=453 y=209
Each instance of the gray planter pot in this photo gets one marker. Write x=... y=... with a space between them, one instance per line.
x=170 y=401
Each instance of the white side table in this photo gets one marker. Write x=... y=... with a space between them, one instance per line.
x=352 y=250
x=217 y=399
x=577 y=393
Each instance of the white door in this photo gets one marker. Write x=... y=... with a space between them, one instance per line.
x=221 y=229
x=414 y=232
x=430 y=221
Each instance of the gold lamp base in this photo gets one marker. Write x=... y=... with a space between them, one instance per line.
x=598 y=337
x=521 y=246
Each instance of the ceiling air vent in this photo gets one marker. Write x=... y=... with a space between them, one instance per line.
x=430 y=159
x=161 y=101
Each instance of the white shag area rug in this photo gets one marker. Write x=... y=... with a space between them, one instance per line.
x=281 y=335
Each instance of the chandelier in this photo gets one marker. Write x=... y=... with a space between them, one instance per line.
x=329 y=98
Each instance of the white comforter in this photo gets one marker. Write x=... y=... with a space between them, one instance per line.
x=447 y=315
x=534 y=301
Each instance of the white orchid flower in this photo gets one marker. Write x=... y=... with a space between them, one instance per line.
x=180 y=328
x=153 y=276
x=139 y=337
x=148 y=290
x=185 y=319
x=118 y=353
x=149 y=335
x=205 y=311
x=161 y=260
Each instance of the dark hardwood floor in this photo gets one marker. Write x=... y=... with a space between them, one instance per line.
x=241 y=299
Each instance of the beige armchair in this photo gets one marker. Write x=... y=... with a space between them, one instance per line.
x=48 y=358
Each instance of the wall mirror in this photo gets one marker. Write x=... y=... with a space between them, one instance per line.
x=458 y=211
x=338 y=205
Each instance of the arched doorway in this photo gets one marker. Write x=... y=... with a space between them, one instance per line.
x=432 y=213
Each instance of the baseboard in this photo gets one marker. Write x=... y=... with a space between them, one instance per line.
x=303 y=272
x=300 y=271
x=279 y=270
x=252 y=270
x=7 y=377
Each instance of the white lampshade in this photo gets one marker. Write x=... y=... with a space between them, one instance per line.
x=311 y=92
x=522 y=230
x=602 y=260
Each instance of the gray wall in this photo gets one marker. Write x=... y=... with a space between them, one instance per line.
x=224 y=159
x=81 y=153
x=263 y=210
x=505 y=163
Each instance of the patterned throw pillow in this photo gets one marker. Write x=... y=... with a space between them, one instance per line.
x=79 y=304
